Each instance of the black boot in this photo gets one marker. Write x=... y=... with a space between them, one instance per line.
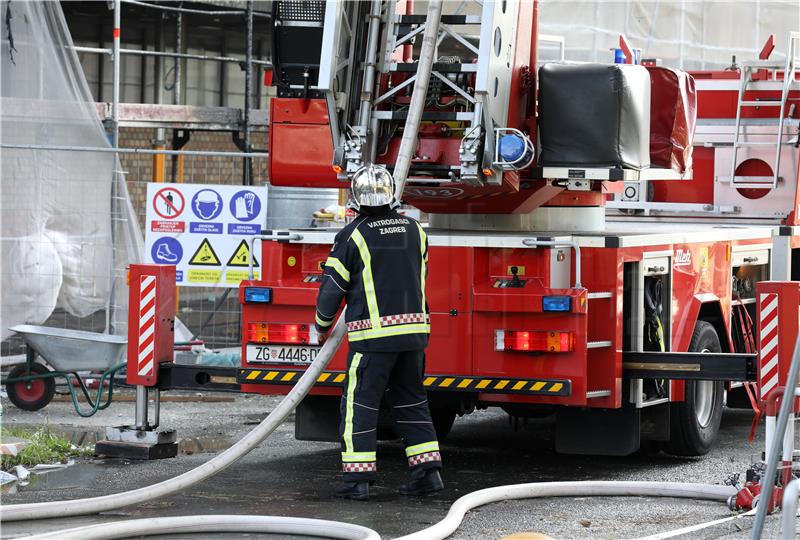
x=358 y=491
x=430 y=483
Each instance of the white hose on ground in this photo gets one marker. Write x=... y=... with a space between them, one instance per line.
x=683 y=531
x=184 y=525
x=93 y=505
x=590 y=488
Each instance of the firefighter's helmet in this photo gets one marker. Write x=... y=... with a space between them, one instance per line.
x=372 y=186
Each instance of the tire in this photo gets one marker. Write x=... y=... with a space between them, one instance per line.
x=31 y=395
x=694 y=422
x=443 y=419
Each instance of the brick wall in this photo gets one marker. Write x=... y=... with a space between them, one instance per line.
x=196 y=169
x=197 y=304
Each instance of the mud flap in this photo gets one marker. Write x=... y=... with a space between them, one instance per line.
x=655 y=422
x=603 y=432
x=317 y=419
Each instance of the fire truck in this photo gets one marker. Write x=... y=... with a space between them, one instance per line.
x=616 y=294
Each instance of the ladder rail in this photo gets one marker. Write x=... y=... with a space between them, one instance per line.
x=788 y=80
x=743 y=76
x=789 y=73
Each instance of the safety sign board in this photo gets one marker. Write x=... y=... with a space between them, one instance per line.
x=204 y=231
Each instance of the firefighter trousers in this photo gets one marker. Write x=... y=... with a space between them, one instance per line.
x=369 y=376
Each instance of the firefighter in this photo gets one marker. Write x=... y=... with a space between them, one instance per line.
x=378 y=264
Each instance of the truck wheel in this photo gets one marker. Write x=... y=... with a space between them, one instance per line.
x=31 y=395
x=694 y=423
x=443 y=419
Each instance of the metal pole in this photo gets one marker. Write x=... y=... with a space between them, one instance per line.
x=417 y=105
x=369 y=66
x=178 y=48
x=148 y=151
x=775 y=449
x=157 y=405
x=789 y=510
x=166 y=54
x=247 y=178
x=141 y=407
x=159 y=168
x=115 y=82
x=187 y=10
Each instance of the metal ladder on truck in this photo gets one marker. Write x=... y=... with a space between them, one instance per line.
x=790 y=69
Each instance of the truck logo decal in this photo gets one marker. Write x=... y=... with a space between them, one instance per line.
x=683 y=257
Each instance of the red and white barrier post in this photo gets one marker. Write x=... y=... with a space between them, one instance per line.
x=151 y=329
x=778 y=321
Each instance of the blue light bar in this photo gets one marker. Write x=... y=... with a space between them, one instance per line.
x=557 y=303
x=262 y=295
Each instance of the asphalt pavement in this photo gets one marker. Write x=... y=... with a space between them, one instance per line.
x=291 y=478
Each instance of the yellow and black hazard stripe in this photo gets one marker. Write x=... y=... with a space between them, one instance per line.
x=287 y=376
x=543 y=387
x=493 y=385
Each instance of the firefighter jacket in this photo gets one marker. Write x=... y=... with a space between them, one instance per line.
x=378 y=263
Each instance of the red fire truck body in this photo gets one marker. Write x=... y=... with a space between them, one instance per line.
x=541 y=320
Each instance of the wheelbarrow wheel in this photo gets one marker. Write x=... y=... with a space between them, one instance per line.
x=31 y=395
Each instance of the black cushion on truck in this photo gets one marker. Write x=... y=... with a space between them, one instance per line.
x=594 y=115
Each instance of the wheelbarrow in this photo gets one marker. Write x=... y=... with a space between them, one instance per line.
x=32 y=386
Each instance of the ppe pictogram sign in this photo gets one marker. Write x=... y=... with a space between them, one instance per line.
x=203 y=230
x=245 y=205
x=207 y=204
x=168 y=203
x=166 y=250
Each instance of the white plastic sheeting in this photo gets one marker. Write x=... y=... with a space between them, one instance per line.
x=687 y=34
x=65 y=242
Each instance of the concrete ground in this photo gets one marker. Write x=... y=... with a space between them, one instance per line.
x=289 y=478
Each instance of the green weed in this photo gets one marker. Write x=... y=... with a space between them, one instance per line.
x=45 y=447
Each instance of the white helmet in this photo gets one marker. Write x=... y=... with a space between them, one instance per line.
x=372 y=185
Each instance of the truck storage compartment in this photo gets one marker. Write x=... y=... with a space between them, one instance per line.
x=594 y=115
x=673 y=115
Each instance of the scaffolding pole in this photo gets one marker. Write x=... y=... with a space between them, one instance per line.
x=247 y=179
x=166 y=54
x=147 y=151
x=115 y=84
x=195 y=11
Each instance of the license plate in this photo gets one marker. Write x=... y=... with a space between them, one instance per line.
x=281 y=354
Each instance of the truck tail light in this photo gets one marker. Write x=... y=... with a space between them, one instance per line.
x=284 y=333
x=534 y=341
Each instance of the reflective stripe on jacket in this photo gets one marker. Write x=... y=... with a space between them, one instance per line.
x=378 y=263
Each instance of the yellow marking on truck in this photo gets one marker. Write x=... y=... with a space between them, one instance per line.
x=524 y=386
